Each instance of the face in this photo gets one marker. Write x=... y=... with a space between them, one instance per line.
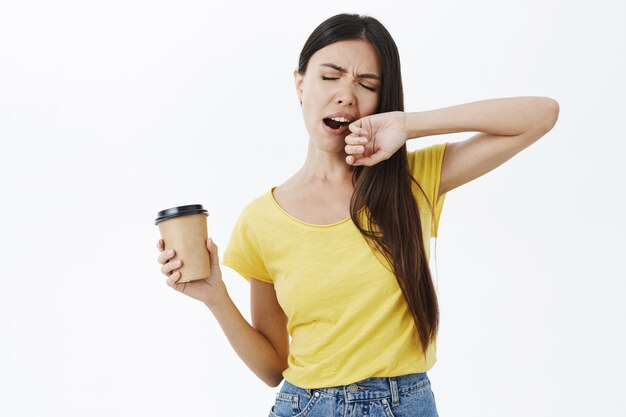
x=341 y=84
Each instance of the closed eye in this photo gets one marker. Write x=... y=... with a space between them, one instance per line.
x=362 y=85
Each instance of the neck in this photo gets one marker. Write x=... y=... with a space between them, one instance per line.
x=324 y=167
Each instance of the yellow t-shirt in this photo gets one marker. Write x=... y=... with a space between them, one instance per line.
x=347 y=317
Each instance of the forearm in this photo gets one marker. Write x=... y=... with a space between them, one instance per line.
x=249 y=344
x=500 y=116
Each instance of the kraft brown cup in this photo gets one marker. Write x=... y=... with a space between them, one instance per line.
x=184 y=229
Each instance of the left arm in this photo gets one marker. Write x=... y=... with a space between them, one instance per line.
x=506 y=126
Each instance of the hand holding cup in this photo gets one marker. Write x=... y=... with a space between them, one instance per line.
x=189 y=257
x=209 y=290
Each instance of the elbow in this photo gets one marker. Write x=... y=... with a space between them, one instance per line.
x=551 y=114
x=274 y=379
x=274 y=382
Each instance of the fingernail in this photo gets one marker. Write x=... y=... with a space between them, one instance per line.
x=363 y=140
x=170 y=252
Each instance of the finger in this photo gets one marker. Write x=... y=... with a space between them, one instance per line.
x=213 y=256
x=356 y=140
x=354 y=149
x=372 y=160
x=356 y=126
x=351 y=159
x=170 y=266
x=172 y=279
x=166 y=255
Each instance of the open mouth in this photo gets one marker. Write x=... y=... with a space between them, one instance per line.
x=336 y=122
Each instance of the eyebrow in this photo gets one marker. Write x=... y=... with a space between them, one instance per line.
x=340 y=69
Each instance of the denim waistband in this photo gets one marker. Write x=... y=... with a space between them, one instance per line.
x=370 y=388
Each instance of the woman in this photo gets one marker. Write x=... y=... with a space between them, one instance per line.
x=337 y=256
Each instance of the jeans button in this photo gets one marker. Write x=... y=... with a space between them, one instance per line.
x=353 y=388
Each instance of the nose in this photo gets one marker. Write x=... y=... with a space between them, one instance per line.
x=348 y=102
x=346 y=96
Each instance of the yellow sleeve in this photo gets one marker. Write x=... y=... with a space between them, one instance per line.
x=243 y=253
x=425 y=166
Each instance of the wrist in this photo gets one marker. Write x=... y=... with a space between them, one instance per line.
x=219 y=297
x=413 y=123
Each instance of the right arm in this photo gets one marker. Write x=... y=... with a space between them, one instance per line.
x=250 y=344
x=254 y=347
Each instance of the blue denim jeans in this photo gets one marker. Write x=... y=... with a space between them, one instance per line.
x=401 y=396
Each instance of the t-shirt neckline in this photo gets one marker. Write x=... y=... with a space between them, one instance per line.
x=319 y=226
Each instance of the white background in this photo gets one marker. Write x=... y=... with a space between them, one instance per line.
x=113 y=110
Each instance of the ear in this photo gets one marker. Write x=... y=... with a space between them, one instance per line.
x=299 y=79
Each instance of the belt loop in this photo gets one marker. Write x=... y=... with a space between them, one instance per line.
x=395 y=399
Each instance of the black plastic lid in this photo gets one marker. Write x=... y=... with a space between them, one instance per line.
x=180 y=211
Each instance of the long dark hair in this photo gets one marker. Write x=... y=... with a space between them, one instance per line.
x=393 y=219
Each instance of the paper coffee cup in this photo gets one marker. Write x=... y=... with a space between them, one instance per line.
x=184 y=229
